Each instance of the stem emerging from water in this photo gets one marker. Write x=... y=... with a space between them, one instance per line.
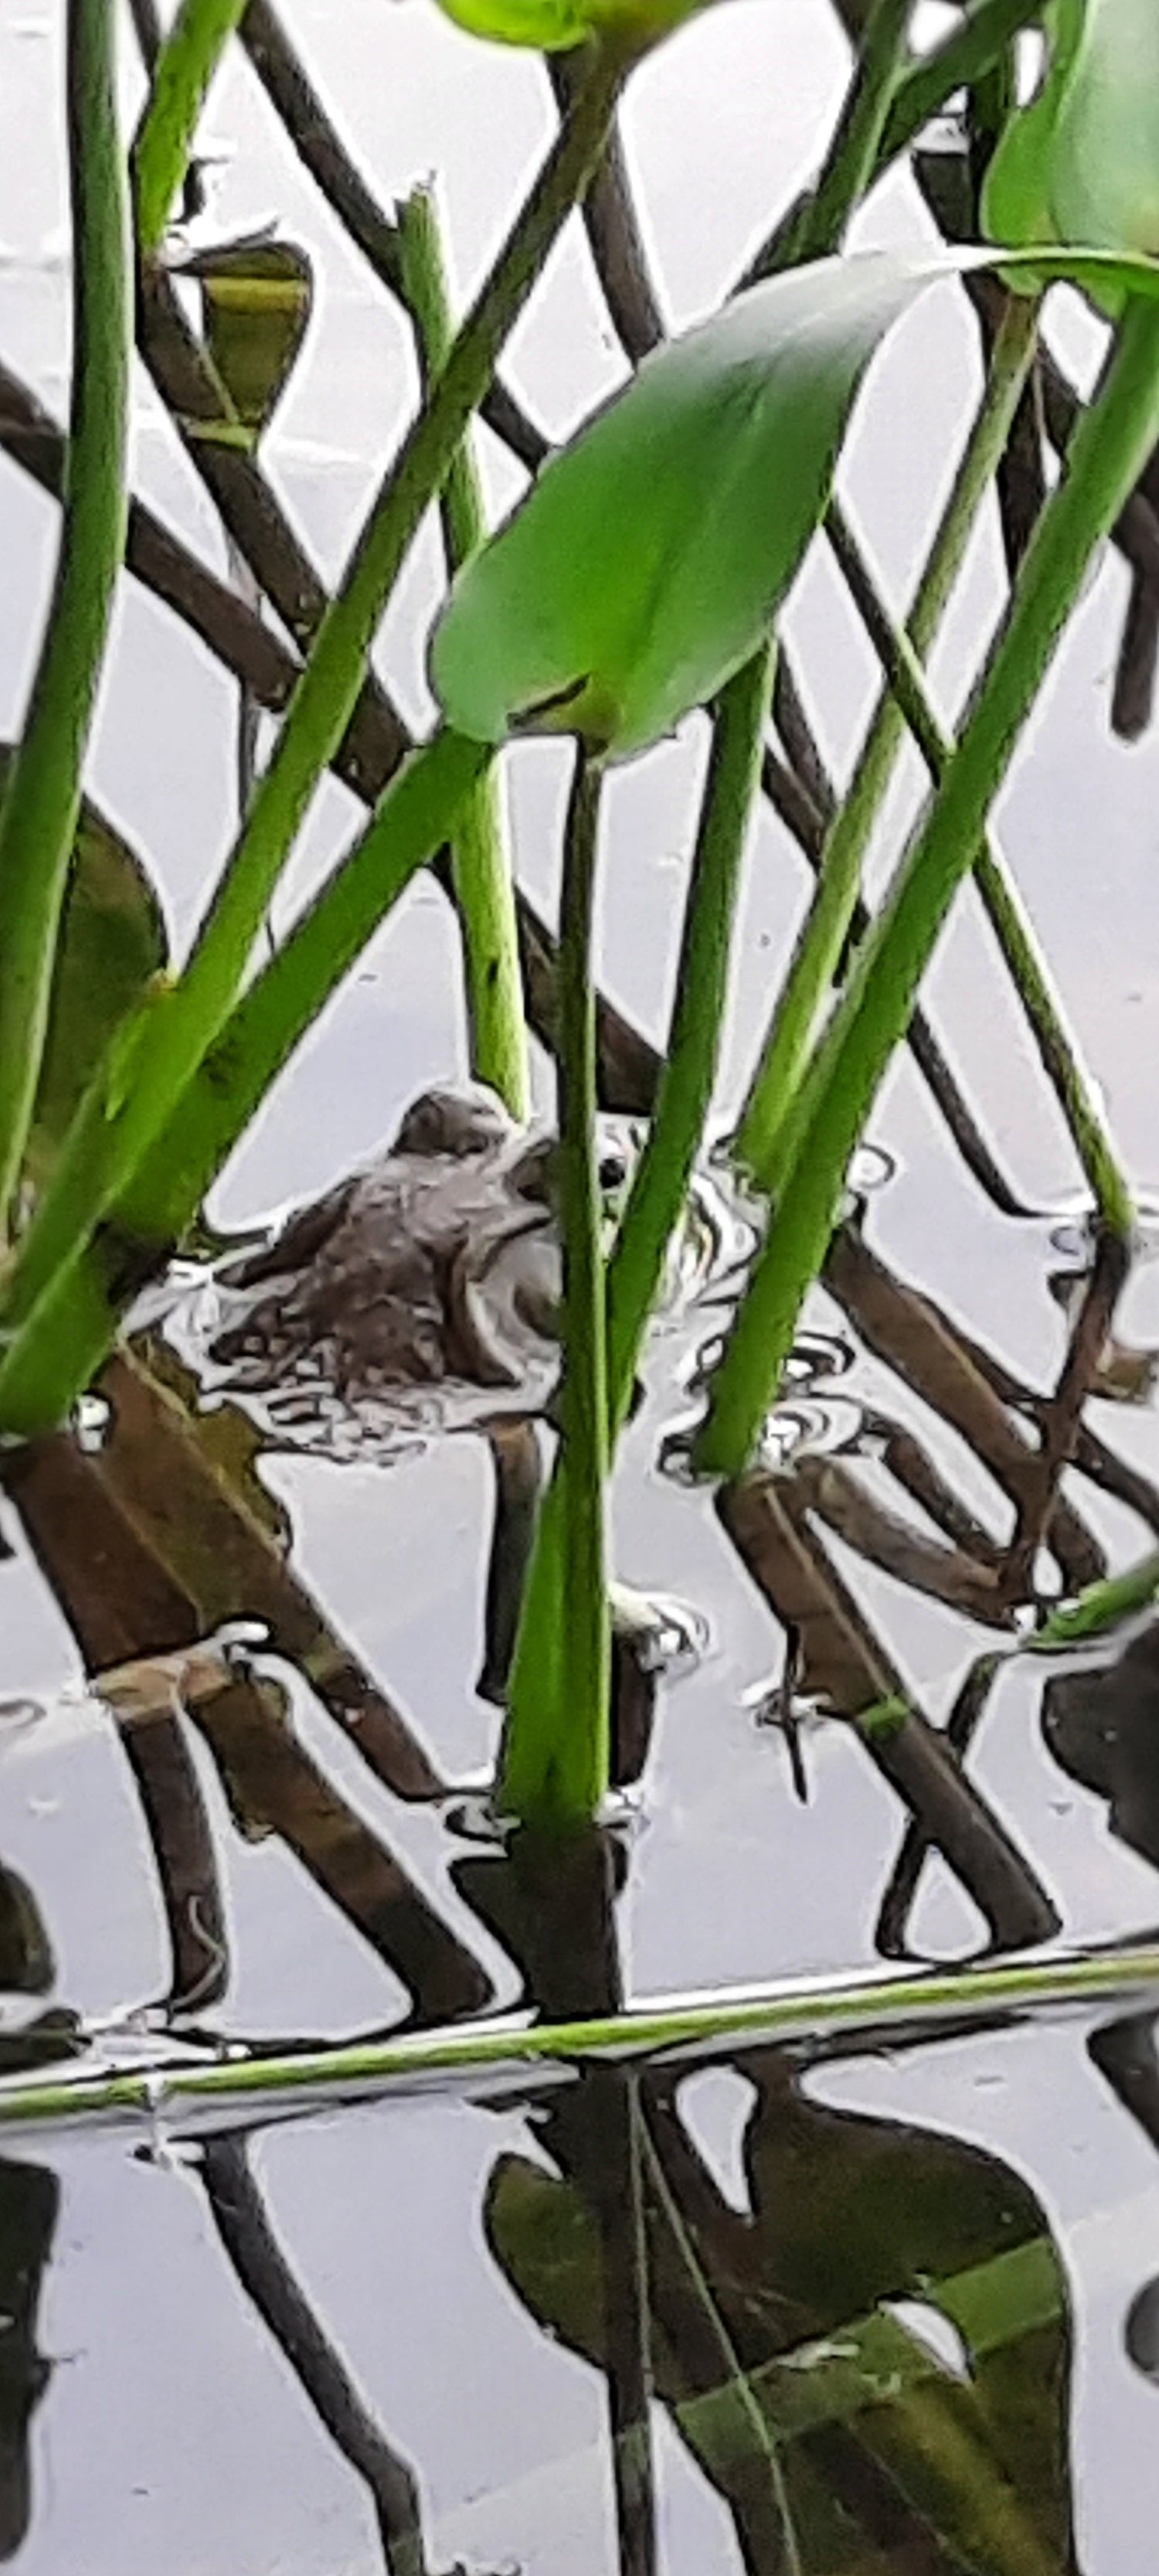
x=556 y=1754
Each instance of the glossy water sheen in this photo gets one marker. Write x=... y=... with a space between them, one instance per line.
x=841 y=2313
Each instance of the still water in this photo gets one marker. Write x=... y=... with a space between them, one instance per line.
x=546 y=2331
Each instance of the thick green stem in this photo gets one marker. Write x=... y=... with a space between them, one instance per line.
x=187 y=62
x=1057 y=1049
x=153 y=1064
x=40 y=808
x=555 y=1767
x=1105 y=462
x=481 y=868
x=775 y=1107
x=54 y=1353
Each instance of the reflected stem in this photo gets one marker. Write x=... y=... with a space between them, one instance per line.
x=239 y=2214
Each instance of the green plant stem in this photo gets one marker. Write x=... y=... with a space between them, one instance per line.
x=658 y=1190
x=684 y=1094
x=185 y=67
x=959 y=63
x=852 y=157
x=1105 y=461
x=40 y=807
x=775 y=1107
x=1013 y=931
x=802 y=2011
x=54 y=1353
x=481 y=870
x=154 y=1063
x=555 y=1767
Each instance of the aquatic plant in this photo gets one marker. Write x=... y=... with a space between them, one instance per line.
x=641 y=577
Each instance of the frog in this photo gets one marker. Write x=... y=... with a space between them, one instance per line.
x=435 y=1266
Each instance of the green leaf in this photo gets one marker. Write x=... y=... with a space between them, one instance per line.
x=649 y=559
x=1081 y=161
x=554 y=26
x=112 y=942
x=1106 y=143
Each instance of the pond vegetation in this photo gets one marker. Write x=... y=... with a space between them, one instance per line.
x=857 y=2318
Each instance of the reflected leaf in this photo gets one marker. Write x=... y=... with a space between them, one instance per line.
x=29 y=2204
x=1103 y=1729
x=887 y=2454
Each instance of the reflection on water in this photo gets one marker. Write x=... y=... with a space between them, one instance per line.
x=766 y=2312
x=843 y=2337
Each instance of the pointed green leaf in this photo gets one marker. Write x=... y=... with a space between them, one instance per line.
x=651 y=557
x=645 y=565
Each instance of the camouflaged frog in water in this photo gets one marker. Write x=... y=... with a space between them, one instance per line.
x=433 y=1270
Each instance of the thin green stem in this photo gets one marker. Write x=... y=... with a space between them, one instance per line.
x=1106 y=459
x=153 y=1063
x=42 y=800
x=688 y=1074
x=557 y=1752
x=802 y=2011
x=187 y=62
x=959 y=63
x=53 y=1354
x=916 y=96
x=481 y=869
x=775 y=1108
x=852 y=157
x=555 y=1767
x=581 y=1769
x=1057 y=1048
